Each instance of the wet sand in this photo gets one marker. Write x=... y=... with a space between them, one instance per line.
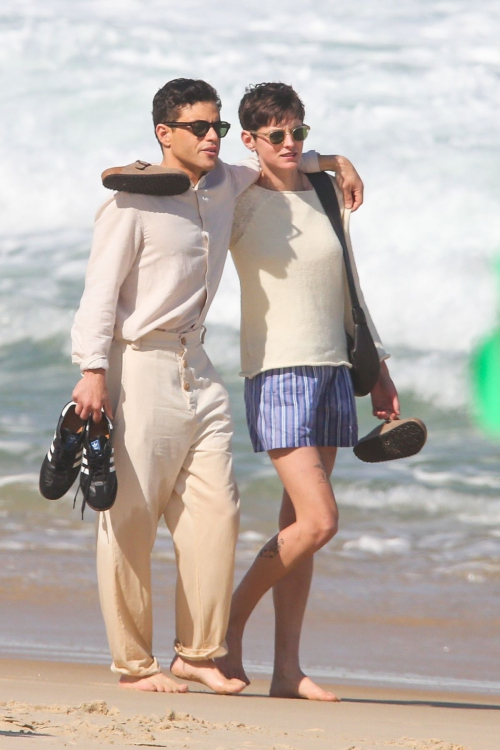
x=56 y=705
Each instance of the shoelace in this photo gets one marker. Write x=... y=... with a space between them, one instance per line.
x=62 y=456
x=97 y=466
x=96 y=471
x=84 y=501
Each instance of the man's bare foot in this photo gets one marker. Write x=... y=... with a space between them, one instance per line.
x=155 y=683
x=301 y=687
x=231 y=665
x=208 y=673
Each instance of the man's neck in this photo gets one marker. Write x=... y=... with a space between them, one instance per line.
x=171 y=162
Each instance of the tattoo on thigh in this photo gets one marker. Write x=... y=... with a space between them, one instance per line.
x=272 y=548
x=323 y=476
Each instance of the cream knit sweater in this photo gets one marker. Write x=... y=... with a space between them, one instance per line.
x=295 y=303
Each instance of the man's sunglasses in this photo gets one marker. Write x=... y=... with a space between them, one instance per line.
x=278 y=136
x=200 y=128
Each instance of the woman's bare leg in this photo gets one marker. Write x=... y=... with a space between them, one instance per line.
x=290 y=599
x=306 y=481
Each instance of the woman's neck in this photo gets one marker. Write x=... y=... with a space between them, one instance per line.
x=284 y=180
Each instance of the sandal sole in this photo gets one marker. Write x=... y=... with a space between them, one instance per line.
x=148 y=184
x=402 y=441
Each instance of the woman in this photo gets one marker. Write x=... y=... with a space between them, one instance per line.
x=298 y=392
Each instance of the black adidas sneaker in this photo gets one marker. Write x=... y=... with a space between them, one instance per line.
x=61 y=465
x=98 y=475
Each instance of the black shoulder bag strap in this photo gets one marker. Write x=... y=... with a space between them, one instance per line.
x=322 y=183
x=362 y=351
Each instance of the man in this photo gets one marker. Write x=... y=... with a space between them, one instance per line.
x=155 y=266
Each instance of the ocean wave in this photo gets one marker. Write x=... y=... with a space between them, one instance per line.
x=10 y=545
x=473 y=571
x=377 y=546
x=423 y=225
x=28 y=479
x=447 y=478
x=251 y=537
x=14 y=447
x=473 y=509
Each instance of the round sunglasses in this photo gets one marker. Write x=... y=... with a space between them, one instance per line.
x=200 y=128
x=278 y=136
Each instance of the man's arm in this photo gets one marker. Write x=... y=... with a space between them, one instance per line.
x=117 y=240
x=247 y=171
x=346 y=177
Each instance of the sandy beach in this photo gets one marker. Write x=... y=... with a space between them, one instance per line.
x=56 y=705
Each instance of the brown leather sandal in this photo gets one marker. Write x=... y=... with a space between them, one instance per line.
x=145 y=178
x=398 y=438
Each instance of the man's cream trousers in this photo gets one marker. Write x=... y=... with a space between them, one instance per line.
x=173 y=458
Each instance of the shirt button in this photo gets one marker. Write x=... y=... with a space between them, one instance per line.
x=186 y=386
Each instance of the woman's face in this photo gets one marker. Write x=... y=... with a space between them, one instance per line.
x=276 y=157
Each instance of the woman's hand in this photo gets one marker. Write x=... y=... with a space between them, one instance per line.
x=385 y=401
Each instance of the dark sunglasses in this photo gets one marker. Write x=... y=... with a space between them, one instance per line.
x=278 y=136
x=200 y=128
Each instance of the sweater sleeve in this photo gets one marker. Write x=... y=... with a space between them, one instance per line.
x=349 y=324
x=117 y=240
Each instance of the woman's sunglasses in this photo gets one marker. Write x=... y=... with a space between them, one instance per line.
x=200 y=128
x=278 y=136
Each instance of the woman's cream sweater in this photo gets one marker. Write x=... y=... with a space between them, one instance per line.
x=295 y=303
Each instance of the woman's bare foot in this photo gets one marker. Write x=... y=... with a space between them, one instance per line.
x=208 y=673
x=231 y=665
x=300 y=687
x=155 y=683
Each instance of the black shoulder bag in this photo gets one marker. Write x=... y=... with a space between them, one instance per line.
x=362 y=351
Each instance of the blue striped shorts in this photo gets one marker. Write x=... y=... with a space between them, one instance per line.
x=293 y=407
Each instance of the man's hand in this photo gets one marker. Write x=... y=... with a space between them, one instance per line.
x=347 y=179
x=91 y=395
x=385 y=401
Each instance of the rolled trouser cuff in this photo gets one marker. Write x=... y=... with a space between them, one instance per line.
x=213 y=652
x=137 y=669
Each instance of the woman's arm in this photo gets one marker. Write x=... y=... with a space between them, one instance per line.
x=385 y=401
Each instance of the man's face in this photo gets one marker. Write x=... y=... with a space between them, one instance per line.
x=184 y=150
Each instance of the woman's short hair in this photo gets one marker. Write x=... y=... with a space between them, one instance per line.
x=266 y=103
x=179 y=93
